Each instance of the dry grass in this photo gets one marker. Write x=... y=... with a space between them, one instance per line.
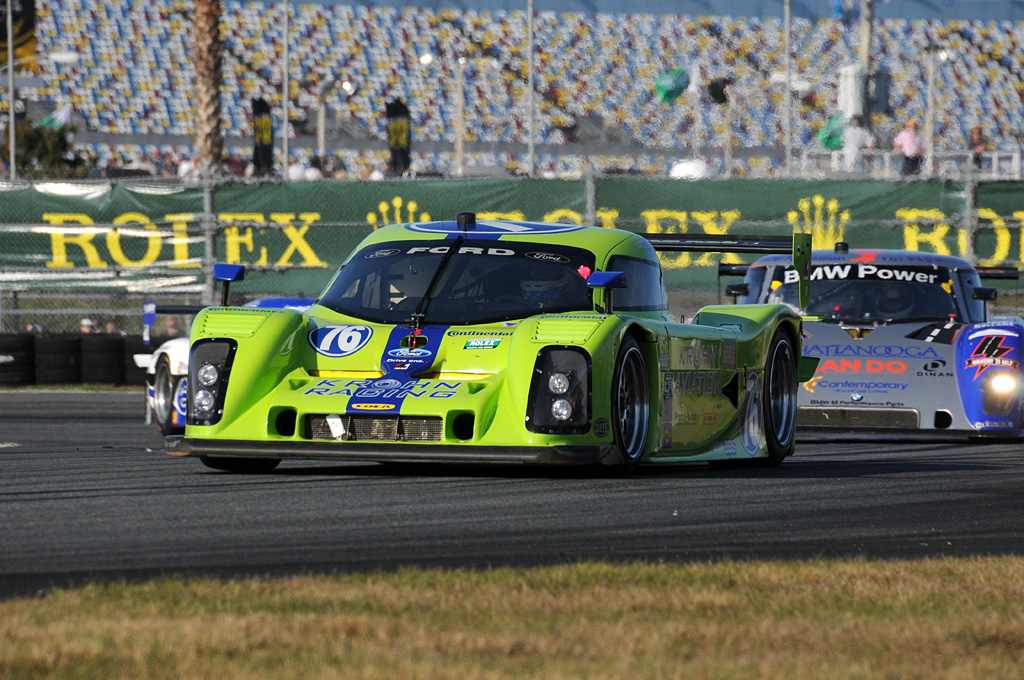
x=924 y=619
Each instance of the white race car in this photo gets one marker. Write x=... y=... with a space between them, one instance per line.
x=167 y=367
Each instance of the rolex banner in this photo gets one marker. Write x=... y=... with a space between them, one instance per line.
x=293 y=235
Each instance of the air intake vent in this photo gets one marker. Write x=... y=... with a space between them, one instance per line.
x=379 y=428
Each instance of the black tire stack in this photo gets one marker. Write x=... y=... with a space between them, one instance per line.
x=58 y=359
x=17 y=360
x=103 y=359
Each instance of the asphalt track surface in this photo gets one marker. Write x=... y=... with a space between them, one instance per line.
x=86 y=492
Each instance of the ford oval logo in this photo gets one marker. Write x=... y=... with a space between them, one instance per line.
x=387 y=252
x=547 y=257
x=339 y=341
x=410 y=353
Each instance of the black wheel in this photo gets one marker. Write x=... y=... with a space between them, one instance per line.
x=253 y=466
x=630 y=400
x=165 y=390
x=780 y=397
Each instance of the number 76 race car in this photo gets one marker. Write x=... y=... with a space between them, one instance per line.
x=498 y=342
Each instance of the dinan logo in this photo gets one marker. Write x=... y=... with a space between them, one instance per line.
x=372 y=407
x=339 y=341
x=547 y=257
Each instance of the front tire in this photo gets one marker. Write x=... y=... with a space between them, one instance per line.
x=252 y=466
x=165 y=389
x=630 y=401
x=780 y=397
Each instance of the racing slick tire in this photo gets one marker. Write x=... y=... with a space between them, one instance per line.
x=253 y=466
x=780 y=398
x=165 y=389
x=630 y=401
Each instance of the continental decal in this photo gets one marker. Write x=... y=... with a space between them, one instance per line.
x=104 y=246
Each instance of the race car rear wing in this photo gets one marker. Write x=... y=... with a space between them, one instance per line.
x=798 y=244
x=998 y=272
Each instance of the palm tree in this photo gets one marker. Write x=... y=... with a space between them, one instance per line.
x=209 y=57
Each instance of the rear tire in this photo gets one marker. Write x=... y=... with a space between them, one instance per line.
x=252 y=466
x=630 y=401
x=780 y=397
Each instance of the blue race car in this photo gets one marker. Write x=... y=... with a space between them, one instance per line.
x=905 y=342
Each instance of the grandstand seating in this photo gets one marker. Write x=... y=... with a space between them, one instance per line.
x=135 y=76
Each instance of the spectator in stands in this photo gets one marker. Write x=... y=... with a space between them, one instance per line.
x=296 y=171
x=86 y=326
x=910 y=145
x=314 y=171
x=978 y=145
x=112 y=328
x=855 y=140
x=35 y=328
x=185 y=168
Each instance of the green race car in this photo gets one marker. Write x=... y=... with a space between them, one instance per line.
x=498 y=342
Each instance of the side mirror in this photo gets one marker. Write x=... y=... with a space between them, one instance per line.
x=735 y=290
x=984 y=293
x=607 y=281
x=227 y=273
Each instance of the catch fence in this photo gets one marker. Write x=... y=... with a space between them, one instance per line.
x=70 y=251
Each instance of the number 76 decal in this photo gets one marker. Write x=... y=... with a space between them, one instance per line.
x=339 y=341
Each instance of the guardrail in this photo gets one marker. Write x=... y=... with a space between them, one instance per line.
x=1003 y=164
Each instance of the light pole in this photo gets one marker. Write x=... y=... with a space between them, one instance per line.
x=285 y=122
x=57 y=57
x=460 y=117
x=321 y=112
x=935 y=52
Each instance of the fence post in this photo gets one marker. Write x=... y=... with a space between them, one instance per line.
x=209 y=222
x=969 y=218
x=590 y=189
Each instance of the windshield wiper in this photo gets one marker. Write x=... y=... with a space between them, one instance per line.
x=420 y=313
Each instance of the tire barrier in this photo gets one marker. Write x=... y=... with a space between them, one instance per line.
x=17 y=360
x=103 y=359
x=72 y=358
x=58 y=359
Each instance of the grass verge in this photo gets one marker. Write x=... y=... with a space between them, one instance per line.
x=942 y=618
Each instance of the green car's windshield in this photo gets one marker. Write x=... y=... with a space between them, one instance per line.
x=857 y=293
x=483 y=281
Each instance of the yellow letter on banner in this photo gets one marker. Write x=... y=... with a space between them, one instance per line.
x=297 y=241
x=676 y=218
x=710 y=226
x=606 y=217
x=912 y=236
x=1002 y=252
x=83 y=239
x=234 y=240
x=571 y=216
x=152 y=250
x=179 y=225
x=515 y=216
x=825 y=231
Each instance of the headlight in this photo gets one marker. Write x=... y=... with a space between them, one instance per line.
x=1004 y=382
x=560 y=392
x=558 y=383
x=561 y=409
x=209 y=370
x=204 y=401
x=207 y=375
x=999 y=393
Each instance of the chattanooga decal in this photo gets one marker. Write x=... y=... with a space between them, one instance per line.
x=384 y=388
x=871 y=351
